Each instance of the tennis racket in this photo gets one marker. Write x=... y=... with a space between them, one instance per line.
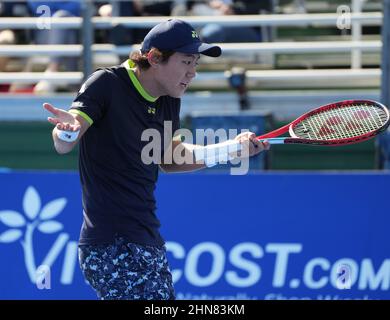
x=335 y=124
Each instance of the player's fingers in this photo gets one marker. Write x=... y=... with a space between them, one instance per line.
x=248 y=135
x=67 y=126
x=50 y=108
x=260 y=145
x=59 y=113
x=251 y=135
x=75 y=127
x=72 y=127
x=257 y=146
x=243 y=135
x=266 y=145
x=53 y=120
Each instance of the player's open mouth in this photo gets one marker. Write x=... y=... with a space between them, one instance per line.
x=184 y=85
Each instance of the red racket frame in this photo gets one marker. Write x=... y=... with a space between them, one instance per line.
x=334 y=142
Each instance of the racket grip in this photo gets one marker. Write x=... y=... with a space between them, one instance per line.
x=274 y=140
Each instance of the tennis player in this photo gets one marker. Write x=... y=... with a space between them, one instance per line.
x=121 y=252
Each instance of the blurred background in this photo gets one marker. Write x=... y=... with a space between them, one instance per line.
x=280 y=59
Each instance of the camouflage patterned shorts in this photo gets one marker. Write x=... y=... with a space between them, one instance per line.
x=127 y=271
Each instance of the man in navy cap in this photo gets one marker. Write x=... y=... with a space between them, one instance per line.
x=121 y=252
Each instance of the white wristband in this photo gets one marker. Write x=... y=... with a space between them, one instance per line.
x=68 y=136
x=217 y=153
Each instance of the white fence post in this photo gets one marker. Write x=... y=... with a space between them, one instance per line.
x=356 y=56
x=87 y=36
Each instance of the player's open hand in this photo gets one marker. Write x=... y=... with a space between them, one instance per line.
x=63 y=120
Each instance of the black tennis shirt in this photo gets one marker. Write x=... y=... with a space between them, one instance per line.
x=117 y=187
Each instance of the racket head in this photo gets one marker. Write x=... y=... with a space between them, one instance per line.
x=340 y=123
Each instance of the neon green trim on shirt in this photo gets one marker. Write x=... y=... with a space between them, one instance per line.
x=129 y=65
x=83 y=115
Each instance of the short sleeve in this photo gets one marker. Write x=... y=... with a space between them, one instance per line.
x=93 y=97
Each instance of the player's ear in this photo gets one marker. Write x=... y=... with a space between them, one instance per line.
x=154 y=57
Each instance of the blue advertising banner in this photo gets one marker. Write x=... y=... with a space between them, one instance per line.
x=257 y=236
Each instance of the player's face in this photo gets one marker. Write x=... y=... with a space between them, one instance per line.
x=176 y=75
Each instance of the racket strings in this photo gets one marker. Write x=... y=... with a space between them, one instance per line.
x=341 y=122
x=352 y=121
x=349 y=124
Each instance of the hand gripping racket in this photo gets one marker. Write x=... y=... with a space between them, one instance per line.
x=335 y=124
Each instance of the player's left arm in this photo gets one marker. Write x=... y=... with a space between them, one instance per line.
x=187 y=157
x=185 y=152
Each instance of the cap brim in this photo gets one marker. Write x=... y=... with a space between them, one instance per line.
x=201 y=47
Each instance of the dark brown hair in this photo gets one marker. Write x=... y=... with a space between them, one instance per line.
x=141 y=59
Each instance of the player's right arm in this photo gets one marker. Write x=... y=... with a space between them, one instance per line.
x=89 y=105
x=65 y=121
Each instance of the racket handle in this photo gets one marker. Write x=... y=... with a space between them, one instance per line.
x=274 y=140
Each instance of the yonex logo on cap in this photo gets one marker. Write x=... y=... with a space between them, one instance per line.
x=195 y=35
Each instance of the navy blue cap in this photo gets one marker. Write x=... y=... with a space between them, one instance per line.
x=178 y=36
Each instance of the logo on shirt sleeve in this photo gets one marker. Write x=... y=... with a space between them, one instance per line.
x=82 y=89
